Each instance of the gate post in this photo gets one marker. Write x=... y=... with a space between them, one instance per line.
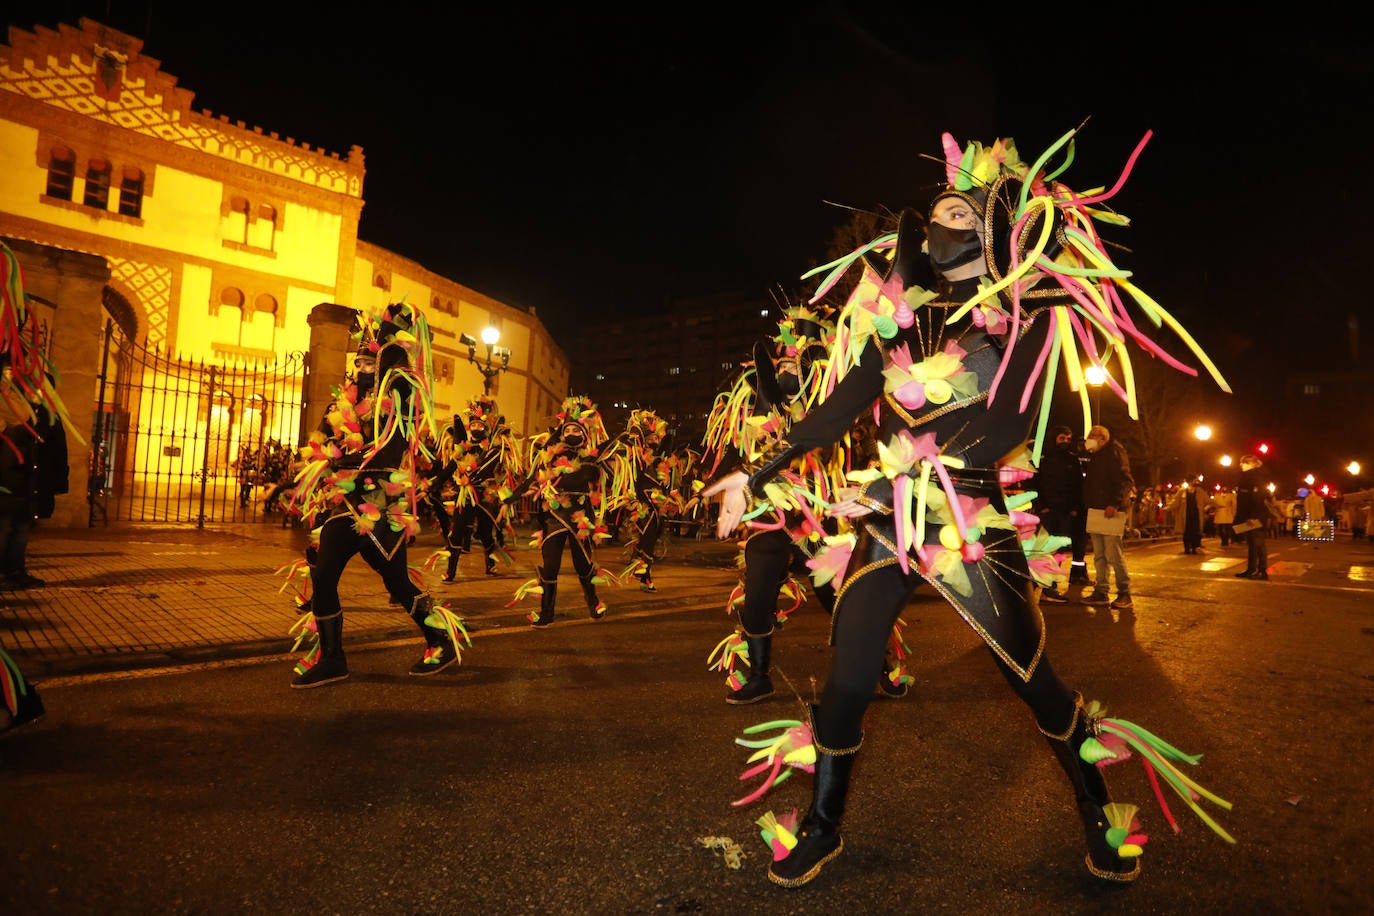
x=70 y=285
x=330 y=328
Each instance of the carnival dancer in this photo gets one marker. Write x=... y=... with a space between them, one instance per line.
x=775 y=389
x=954 y=345
x=571 y=481
x=361 y=484
x=657 y=478
x=34 y=424
x=475 y=462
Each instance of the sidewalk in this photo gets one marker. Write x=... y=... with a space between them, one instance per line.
x=141 y=596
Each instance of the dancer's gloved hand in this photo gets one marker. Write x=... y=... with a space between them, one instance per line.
x=733 y=501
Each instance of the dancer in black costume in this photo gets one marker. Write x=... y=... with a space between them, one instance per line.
x=931 y=337
x=362 y=485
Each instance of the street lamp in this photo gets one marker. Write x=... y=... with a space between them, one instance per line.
x=1202 y=433
x=1096 y=376
x=489 y=370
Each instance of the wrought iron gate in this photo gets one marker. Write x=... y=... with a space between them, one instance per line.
x=180 y=441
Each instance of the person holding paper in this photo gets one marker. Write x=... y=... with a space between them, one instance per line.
x=1107 y=488
x=1251 y=513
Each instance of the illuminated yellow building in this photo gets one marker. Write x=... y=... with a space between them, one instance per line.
x=207 y=239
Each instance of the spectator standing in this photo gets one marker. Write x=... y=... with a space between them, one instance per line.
x=1107 y=485
x=1058 y=483
x=1225 y=503
x=1251 y=510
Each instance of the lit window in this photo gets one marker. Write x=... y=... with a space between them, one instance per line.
x=600 y=377
x=674 y=370
x=1311 y=388
x=763 y=313
x=61 y=172
x=131 y=193
x=97 y=184
x=727 y=366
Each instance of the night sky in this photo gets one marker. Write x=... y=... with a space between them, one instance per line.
x=592 y=165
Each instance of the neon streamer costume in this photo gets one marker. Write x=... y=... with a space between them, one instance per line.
x=475 y=458
x=956 y=343
x=360 y=484
x=656 y=479
x=777 y=386
x=570 y=480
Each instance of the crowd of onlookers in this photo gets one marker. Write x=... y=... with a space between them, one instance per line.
x=1160 y=511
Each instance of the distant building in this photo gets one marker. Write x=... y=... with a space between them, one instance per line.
x=673 y=360
x=210 y=239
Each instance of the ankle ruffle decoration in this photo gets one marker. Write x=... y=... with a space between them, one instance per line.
x=305 y=629
x=727 y=655
x=442 y=554
x=780 y=833
x=1111 y=740
x=442 y=618
x=528 y=587
x=792 y=747
x=12 y=683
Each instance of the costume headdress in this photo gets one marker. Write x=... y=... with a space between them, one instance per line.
x=647 y=426
x=579 y=409
x=1042 y=246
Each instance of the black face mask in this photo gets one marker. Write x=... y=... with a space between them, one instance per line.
x=951 y=248
x=790 y=384
x=574 y=441
x=365 y=381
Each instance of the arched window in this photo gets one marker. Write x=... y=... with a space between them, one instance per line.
x=381 y=280
x=98 y=184
x=230 y=317
x=236 y=223
x=263 y=232
x=131 y=192
x=61 y=172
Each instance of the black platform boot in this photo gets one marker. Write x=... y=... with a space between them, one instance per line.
x=330 y=666
x=547 y=601
x=818 y=835
x=1090 y=794
x=596 y=606
x=439 y=649
x=759 y=686
x=491 y=563
x=452 y=573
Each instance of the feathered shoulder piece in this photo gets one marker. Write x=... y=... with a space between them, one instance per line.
x=1043 y=244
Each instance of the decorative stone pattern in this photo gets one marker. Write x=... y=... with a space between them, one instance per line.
x=78 y=71
x=153 y=287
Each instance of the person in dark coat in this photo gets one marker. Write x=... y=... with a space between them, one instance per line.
x=1058 y=485
x=1107 y=485
x=1251 y=508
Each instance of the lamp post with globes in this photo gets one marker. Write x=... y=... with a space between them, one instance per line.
x=1096 y=376
x=489 y=368
x=1203 y=434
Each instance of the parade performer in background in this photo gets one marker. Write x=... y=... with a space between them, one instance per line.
x=775 y=389
x=475 y=463
x=34 y=425
x=960 y=339
x=657 y=479
x=360 y=484
x=571 y=481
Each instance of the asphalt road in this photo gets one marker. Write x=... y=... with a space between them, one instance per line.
x=577 y=769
